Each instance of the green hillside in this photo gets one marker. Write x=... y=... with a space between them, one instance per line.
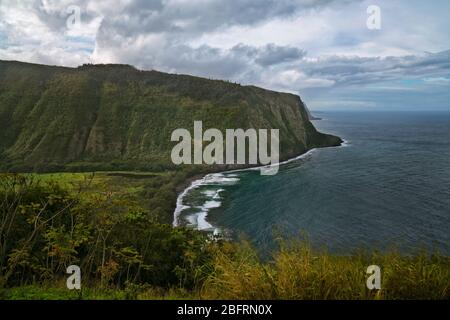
x=110 y=117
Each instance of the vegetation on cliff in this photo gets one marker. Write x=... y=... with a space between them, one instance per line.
x=115 y=117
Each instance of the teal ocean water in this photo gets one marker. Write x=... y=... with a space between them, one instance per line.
x=389 y=186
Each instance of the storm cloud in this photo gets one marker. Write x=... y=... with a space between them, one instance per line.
x=320 y=49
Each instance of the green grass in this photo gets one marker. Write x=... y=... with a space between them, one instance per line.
x=125 y=181
x=59 y=292
x=295 y=273
x=128 y=185
x=45 y=292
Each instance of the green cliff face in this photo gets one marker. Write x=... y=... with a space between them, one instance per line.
x=106 y=117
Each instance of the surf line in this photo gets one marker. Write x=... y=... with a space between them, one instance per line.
x=199 y=182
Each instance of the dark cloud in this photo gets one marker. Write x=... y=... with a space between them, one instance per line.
x=357 y=70
x=272 y=54
x=203 y=61
x=186 y=17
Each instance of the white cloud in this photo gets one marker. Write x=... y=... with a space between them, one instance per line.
x=308 y=46
x=438 y=81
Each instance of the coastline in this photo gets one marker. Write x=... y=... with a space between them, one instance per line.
x=200 y=179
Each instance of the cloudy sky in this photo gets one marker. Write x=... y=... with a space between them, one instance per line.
x=320 y=49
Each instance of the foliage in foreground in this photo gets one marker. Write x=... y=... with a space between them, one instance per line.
x=125 y=253
x=297 y=272
x=44 y=229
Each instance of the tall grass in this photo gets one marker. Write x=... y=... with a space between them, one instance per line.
x=298 y=272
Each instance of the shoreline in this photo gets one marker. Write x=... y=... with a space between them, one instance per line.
x=199 y=179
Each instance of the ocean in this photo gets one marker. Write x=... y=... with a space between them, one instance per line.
x=387 y=188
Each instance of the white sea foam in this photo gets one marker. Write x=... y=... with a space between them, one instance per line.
x=209 y=193
x=180 y=206
x=211 y=204
x=345 y=143
x=198 y=220
x=202 y=224
x=217 y=195
x=220 y=178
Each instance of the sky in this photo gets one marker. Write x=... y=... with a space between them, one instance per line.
x=322 y=50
